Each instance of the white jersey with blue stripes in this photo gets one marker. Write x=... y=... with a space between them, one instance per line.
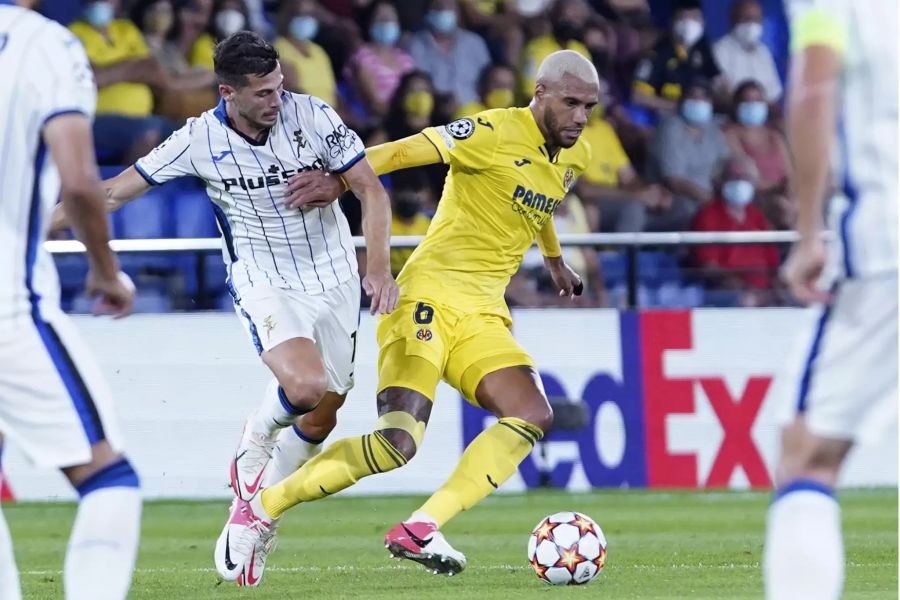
x=264 y=243
x=868 y=96
x=46 y=74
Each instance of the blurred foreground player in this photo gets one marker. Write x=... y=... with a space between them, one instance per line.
x=54 y=404
x=845 y=55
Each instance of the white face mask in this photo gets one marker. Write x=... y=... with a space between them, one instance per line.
x=748 y=33
x=738 y=192
x=229 y=21
x=689 y=31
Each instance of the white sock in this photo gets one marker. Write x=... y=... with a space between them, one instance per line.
x=104 y=540
x=292 y=451
x=804 y=553
x=9 y=575
x=275 y=412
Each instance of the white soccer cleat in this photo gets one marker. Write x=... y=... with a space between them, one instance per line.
x=250 y=460
x=252 y=573
x=424 y=544
x=238 y=541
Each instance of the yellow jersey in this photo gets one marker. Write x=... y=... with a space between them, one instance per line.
x=314 y=71
x=124 y=42
x=502 y=189
x=418 y=226
x=609 y=156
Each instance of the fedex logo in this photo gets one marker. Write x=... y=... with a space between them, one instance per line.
x=647 y=397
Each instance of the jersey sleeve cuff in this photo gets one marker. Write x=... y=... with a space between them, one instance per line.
x=144 y=174
x=65 y=111
x=347 y=165
x=817 y=27
x=440 y=143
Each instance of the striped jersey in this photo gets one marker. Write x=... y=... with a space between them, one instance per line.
x=263 y=242
x=46 y=74
x=864 y=33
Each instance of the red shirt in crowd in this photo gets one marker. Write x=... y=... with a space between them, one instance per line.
x=754 y=264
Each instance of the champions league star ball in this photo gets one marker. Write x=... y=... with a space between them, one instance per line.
x=567 y=548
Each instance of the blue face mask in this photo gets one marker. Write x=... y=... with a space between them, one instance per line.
x=99 y=14
x=303 y=28
x=697 y=112
x=386 y=32
x=442 y=21
x=738 y=192
x=752 y=114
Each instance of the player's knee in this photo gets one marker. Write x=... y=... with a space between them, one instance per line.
x=402 y=441
x=540 y=416
x=305 y=392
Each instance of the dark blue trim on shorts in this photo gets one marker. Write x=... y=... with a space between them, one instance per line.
x=253 y=332
x=803 y=485
x=61 y=113
x=145 y=175
x=815 y=349
x=65 y=366
x=118 y=474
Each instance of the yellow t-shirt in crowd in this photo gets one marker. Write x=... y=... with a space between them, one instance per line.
x=608 y=155
x=314 y=71
x=418 y=226
x=502 y=189
x=124 y=42
x=534 y=54
x=202 y=51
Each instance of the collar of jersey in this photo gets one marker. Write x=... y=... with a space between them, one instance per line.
x=538 y=137
x=222 y=116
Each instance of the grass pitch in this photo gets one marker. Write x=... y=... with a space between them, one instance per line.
x=661 y=545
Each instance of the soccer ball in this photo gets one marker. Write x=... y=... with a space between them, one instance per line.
x=567 y=548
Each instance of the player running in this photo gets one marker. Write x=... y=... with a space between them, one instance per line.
x=845 y=54
x=53 y=402
x=509 y=170
x=292 y=272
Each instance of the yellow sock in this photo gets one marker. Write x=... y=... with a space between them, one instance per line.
x=341 y=465
x=490 y=459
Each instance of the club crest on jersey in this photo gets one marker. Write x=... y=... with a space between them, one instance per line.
x=568 y=178
x=424 y=334
x=461 y=128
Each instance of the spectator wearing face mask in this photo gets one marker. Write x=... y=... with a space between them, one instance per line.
x=496 y=89
x=567 y=18
x=305 y=64
x=454 y=57
x=409 y=197
x=377 y=67
x=736 y=274
x=750 y=133
x=125 y=72
x=741 y=54
x=676 y=60
x=188 y=90
x=224 y=18
x=687 y=149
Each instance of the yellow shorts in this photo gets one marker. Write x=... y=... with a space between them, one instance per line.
x=422 y=342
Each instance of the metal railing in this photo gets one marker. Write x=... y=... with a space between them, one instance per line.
x=632 y=243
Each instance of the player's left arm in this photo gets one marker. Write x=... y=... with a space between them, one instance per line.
x=565 y=278
x=317 y=188
x=378 y=282
x=819 y=41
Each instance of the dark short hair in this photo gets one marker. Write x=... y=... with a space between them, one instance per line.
x=241 y=54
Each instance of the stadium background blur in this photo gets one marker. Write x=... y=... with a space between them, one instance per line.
x=154 y=70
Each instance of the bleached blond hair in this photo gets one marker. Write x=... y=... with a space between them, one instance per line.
x=561 y=62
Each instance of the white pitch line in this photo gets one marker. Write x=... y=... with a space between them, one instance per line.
x=400 y=567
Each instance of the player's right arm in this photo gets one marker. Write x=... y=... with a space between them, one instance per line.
x=169 y=160
x=819 y=39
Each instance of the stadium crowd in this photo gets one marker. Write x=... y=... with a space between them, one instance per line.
x=688 y=134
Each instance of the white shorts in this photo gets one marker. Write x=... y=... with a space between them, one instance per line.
x=54 y=403
x=273 y=315
x=847 y=367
